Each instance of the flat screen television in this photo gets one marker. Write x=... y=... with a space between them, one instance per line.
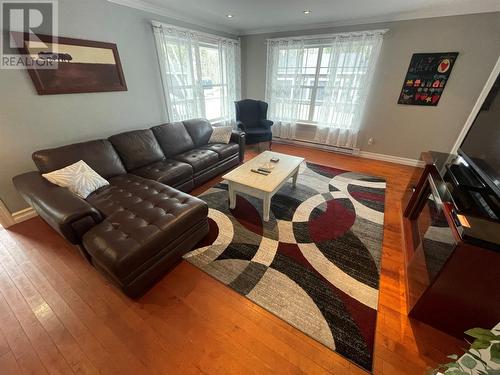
x=481 y=146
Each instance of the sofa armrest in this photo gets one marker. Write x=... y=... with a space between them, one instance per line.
x=239 y=138
x=266 y=123
x=70 y=215
x=240 y=125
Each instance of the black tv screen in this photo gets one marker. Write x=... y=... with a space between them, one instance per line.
x=481 y=146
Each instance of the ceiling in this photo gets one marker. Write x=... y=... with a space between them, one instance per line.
x=258 y=16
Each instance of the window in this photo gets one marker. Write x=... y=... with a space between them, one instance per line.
x=322 y=80
x=200 y=74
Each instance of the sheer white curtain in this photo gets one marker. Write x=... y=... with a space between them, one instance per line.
x=351 y=65
x=285 y=84
x=230 y=76
x=327 y=76
x=200 y=73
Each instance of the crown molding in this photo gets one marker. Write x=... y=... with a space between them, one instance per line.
x=364 y=21
x=174 y=15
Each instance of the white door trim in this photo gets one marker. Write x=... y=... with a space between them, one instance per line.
x=475 y=110
x=6 y=219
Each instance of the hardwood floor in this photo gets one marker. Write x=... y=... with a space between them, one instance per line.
x=59 y=316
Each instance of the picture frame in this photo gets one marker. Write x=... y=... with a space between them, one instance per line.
x=81 y=66
x=426 y=78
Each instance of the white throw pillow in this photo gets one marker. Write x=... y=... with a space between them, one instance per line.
x=79 y=178
x=221 y=134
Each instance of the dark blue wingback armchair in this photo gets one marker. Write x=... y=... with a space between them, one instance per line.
x=251 y=117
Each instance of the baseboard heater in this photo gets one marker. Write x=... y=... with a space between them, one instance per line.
x=337 y=149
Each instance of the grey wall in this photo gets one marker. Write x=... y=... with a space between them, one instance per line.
x=401 y=130
x=29 y=122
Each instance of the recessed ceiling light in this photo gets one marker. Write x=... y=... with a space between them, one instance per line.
x=306 y=11
x=229 y=15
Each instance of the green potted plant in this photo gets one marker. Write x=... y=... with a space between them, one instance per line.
x=482 y=357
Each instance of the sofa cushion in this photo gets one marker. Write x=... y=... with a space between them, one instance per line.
x=221 y=134
x=224 y=151
x=78 y=178
x=142 y=218
x=200 y=131
x=99 y=155
x=173 y=138
x=168 y=172
x=199 y=158
x=137 y=148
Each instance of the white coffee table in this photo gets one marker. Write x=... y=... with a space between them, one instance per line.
x=243 y=180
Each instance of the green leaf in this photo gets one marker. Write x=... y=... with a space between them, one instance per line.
x=481 y=334
x=480 y=344
x=495 y=352
x=456 y=372
x=451 y=365
x=468 y=362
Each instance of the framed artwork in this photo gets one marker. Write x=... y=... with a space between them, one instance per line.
x=76 y=65
x=426 y=78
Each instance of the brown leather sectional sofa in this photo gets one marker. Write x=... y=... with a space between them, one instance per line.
x=142 y=223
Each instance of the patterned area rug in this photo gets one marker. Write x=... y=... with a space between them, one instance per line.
x=315 y=264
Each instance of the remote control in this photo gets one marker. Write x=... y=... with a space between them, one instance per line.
x=259 y=172
x=266 y=170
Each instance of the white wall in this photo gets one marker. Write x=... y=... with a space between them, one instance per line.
x=401 y=130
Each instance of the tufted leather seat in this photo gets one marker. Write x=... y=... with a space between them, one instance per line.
x=142 y=218
x=168 y=172
x=199 y=158
x=224 y=151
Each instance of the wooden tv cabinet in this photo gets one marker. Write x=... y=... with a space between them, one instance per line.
x=452 y=257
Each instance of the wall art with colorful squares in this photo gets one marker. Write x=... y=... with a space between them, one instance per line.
x=426 y=78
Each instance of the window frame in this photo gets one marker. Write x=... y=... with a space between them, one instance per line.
x=313 y=109
x=223 y=85
x=195 y=92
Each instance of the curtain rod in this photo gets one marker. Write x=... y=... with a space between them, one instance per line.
x=328 y=36
x=160 y=25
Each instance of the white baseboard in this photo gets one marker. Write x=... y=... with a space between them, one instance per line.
x=23 y=215
x=354 y=152
x=8 y=219
x=340 y=150
x=391 y=159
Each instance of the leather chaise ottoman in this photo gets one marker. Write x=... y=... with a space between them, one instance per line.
x=147 y=228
